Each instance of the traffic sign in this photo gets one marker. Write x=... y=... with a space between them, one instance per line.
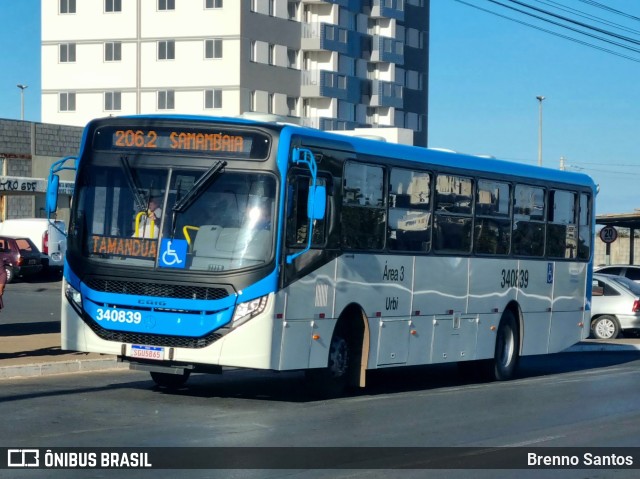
x=608 y=234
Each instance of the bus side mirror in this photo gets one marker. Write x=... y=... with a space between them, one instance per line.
x=52 y=194
x=316 y=203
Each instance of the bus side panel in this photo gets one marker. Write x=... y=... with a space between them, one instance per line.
x=308 y=306
x=440 y=293
x=488 y=297
x=568 y=305
x=441 y=285
x=535 y=290
x=381 y=285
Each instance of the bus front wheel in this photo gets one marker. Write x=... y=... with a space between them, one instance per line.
x=170 y=381
x=335 y=379
x=506 y=354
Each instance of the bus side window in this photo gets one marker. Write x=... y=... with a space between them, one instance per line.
x=297 y=219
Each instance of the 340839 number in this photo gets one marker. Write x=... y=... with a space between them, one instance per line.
x=119 y=316
x=515 y=278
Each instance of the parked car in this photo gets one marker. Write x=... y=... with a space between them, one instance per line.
x=628 y=271
x=615 y=306
x=49 y=238
x=20 y=257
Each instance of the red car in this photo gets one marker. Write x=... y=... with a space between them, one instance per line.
x=20 y=257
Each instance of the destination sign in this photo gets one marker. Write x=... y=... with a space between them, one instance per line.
x=127 y=247
x=219 y=142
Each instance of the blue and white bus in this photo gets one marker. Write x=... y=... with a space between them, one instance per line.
x=197 y=243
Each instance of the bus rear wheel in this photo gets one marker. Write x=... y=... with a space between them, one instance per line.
x=506 y=356
x=170 y=381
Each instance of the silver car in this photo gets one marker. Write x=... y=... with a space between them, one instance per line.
x=615 y=305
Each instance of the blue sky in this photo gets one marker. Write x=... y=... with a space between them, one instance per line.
x=485 y=74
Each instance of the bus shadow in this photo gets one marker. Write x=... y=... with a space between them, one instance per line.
x=291 y=387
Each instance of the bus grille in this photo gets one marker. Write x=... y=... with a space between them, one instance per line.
x=153 y=339
x=159 y=290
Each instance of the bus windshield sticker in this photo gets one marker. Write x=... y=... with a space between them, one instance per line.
x=173 y=253
x=127 y=247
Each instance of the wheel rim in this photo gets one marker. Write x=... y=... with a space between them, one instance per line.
x=507 y=348
x=605 y=328
x=339 y=358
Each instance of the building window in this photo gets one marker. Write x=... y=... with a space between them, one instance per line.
x=67 y=102
x=113 y=51
x=292 y=10
x=212 y=99
x=292 y=106
x=254 y=101
x=213 y=48
x=254 y=5
x=213 y=4
x=67 y=52
x=271 y=103
x=272 y=8
x=112 y=101
x=67 y=6
x=167 y=50
x=111 y=6
x=272 y=54
x=254 y=50
x=166 y=4
x=166 y=100
x=292 y=58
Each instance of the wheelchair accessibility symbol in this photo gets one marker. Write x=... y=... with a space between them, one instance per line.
x=173 y=253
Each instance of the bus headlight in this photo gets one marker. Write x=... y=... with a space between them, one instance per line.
x=74 y=297
x=246 y=311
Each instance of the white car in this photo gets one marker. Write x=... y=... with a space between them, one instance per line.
x=627 y=270
x=615 y=305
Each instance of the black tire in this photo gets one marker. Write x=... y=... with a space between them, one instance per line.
x=170 y=381
x=341 y=371
x=605 y=327
x=507 y=355
x=10 y=276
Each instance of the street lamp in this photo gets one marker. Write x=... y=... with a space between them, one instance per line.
x=22 y=89
x=540 y=98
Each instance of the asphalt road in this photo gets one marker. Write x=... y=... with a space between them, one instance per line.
x=578 y=400
x=32 y=304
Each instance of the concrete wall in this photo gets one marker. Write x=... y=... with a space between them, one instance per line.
x=619 y=250
x=27 y=150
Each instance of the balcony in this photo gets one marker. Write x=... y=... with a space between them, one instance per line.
x=324 y=36
x=387 y=94
x=324 y=83
x=387 y=50
x=387 y=9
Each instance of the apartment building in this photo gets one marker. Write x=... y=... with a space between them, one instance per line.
x=329 y=64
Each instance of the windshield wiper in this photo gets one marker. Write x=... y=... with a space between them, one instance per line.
x=198 y=187
x=195 y=191
x=141 y=204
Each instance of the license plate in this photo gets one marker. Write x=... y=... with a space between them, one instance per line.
x=32 y=261
x=147 y=352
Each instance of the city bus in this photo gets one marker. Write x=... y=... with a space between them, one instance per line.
x=201 y=243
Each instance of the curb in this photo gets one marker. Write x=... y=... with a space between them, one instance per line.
x=60 y=367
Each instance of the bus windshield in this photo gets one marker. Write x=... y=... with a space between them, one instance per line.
x=126 y=208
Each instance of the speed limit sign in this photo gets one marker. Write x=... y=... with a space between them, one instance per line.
x=608 y=234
